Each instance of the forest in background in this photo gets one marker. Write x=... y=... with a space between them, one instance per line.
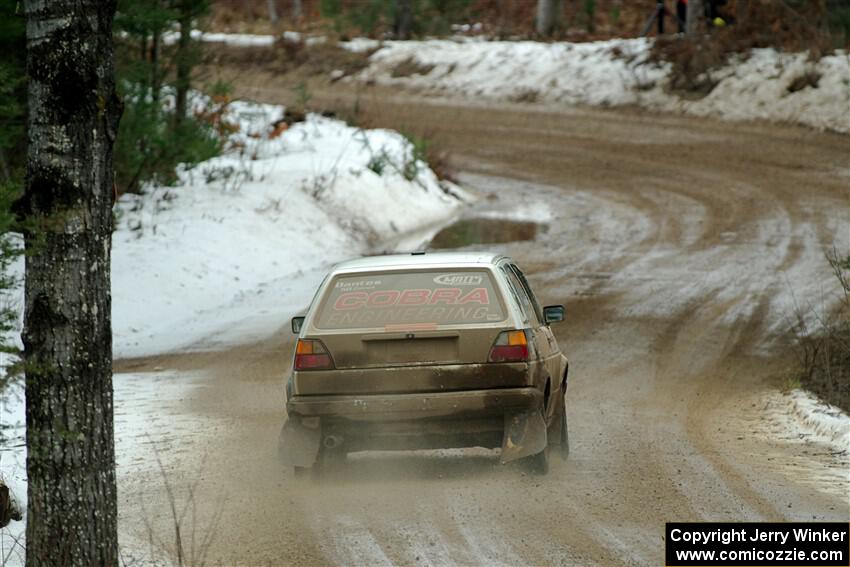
x=577 y=20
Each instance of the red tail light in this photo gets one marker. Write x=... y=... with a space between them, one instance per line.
x=510 y=346
x=311 y=354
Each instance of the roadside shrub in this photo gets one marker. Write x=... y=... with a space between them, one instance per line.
x=151 y=140
x=424 y=149
x=149 y=147
x=823 y=348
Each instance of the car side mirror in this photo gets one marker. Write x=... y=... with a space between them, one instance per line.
x=297 y=324
x=553 y=313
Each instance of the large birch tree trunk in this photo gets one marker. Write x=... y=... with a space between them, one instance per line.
x=73 y=117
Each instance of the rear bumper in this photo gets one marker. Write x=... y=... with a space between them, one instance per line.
x=413 y=379
x=508 y=417
x=392 y=407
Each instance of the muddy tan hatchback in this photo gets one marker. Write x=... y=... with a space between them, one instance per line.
x=425 y=351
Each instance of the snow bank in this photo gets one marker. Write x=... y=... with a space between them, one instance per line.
x=804 y=417
x=249 y=234
x=614 y=73
x=820 y=420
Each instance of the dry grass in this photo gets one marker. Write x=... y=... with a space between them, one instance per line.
x=410 y=67
x=289 y=57
x=191 y=542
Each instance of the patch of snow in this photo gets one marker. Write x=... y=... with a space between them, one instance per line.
x=819 y=420
x=244 y=39
x=234 y=39
x=821 y=431
x=361 y=44
x=617 y=72
x=534 y=211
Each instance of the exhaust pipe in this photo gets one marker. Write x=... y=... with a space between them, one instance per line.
x=333 y=441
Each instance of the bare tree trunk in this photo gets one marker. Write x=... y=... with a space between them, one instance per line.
x=742 y=8
x=297 y=11
x=143 y=48
x=73 y=118
x=272 y=8
x=505 y=10
x=156 y=76
x=548 y=16
x=403 y=19
x=4 y=167
x=696 y=18
x=184 y=62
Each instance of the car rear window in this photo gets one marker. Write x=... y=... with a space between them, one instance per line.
x=404 y=299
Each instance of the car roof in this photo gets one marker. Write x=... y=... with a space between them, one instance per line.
x=419 y=259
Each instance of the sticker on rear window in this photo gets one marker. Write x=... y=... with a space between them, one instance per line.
x=410 y=298
x=459 y=279
x=357 y=284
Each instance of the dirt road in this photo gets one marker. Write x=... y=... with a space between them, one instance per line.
x=679 y=247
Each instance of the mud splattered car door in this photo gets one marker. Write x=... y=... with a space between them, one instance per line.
x=544 y=341
x=555 y=361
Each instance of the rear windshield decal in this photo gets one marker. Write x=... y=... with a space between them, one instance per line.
x=403 y=299
x=459 y=279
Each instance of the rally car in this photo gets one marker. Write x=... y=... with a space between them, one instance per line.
x=425 y=351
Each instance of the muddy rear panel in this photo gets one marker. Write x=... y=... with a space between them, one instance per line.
x=413 y=378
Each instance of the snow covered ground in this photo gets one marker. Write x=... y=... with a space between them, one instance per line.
x=821 y=431
x=242 y=242
x=754 y=86
x=615 y=73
